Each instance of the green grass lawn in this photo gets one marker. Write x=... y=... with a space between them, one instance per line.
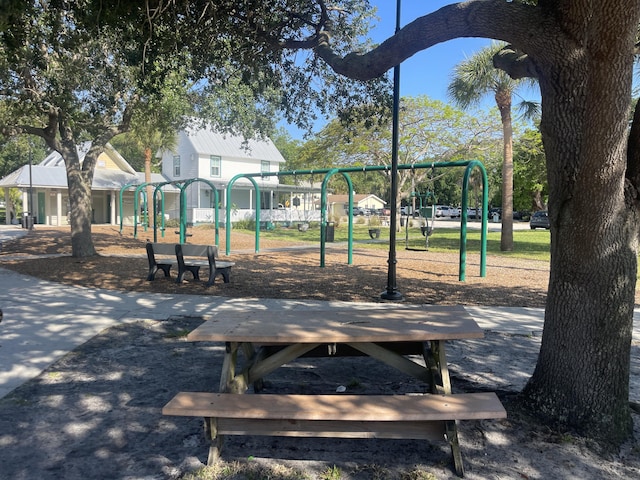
x=533 y=244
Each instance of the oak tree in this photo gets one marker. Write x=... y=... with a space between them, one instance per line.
x=581 y=52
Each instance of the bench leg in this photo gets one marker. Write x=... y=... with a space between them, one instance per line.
x=166 y=268
x=223 y=272
x=152 y=273
x=194 y=269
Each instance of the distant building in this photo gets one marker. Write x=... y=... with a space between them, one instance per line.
x=201 y=154
x=45 y=193
x=217 y=158
x=339 y=204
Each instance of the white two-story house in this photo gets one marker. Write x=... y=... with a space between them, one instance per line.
x=216 y=159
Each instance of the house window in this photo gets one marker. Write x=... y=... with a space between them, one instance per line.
x=215 y=161
x=265 y=166
x=176 y=165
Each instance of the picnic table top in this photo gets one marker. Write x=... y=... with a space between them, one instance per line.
x=339 y=325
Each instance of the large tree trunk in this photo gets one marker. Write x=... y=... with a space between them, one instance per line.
x=503 y=99
x=80 y=205
x=582 y=375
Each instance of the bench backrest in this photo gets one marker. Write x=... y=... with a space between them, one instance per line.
x=189 y=250
x=161 y=248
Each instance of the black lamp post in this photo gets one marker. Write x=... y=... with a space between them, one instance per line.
x=392 y=293
x=29 y=218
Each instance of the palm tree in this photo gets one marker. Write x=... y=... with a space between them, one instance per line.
x=472 y=79
x=151 y=140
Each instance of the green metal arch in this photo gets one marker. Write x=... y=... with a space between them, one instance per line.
x=136 y=204
x=183 y=208
x=248 y=176
x=155 y=217
x=463 y=220
x=323 y=215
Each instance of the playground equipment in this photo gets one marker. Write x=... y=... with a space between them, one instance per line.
x=182 y=185
x=427 y=212
x=469 y=165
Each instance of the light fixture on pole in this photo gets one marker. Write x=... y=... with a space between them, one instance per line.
x=392 y=293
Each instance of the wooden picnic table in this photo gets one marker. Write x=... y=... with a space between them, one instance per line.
x=269 y=339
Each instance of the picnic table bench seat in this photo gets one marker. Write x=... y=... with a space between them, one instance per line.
x=416 y=416
x=210 y=252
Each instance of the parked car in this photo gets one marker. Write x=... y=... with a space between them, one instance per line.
x=361 y=211
x=521 y=215
x=405 y=211
x=540 y=220
x=446 y=211
x=472 y=213
x=442 y=211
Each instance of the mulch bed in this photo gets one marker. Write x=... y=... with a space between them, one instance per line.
x=422 y=277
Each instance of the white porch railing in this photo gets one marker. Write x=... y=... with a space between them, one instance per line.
x=206 y=215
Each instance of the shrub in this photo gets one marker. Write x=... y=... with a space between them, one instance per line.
x=245 y=225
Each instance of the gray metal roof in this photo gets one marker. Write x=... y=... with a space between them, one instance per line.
x=208 y=142
x=56 y=177
x=54 y=159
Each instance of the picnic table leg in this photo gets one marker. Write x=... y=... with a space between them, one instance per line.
x=229 y=381
x=253 y=357
x=211 y=432
x=452 y=437
x=436 y=359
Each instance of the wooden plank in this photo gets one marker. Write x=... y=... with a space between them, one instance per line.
x=341 y=325
x=394 y=359
x=265 y=365
x=388 y=408
x=432 y=431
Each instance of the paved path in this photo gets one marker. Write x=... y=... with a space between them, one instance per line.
x=44 y=320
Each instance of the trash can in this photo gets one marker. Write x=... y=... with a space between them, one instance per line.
x=27 y=221
x=330 y=232
x=496 y=218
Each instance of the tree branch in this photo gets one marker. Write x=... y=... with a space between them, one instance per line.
x=515 y=63
x=520 y=24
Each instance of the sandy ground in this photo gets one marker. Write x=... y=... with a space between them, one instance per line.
x=96 y=414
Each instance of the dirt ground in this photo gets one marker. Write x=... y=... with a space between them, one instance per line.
x=423 y=277
x=96 y=412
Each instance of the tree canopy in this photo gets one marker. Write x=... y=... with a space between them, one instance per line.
x=429 y=131
x=90 y=70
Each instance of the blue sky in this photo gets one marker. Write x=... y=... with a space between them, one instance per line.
x=428 y=72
